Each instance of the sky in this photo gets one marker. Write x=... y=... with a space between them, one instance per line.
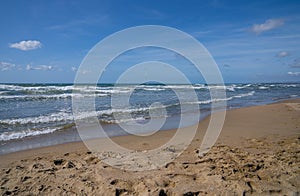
x=251 y=41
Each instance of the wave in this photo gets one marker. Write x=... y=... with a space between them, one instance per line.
x=230 y=88
x=105 y=116
x=244 y=95
x=3 y=92
x=55 y=96
x=69 y=91
x=263 y=87
x=289 y=85
x=222 y=99
x=183 y=103
x=184 y=87
x=68 y=116
x=153 y=89
x=57 y=92
x=34 y=88
x=21 y=134
x=137 y=119
x=55 y=117
x=243 y=86
x=84 y=92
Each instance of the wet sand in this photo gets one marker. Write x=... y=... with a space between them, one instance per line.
x=258 y=152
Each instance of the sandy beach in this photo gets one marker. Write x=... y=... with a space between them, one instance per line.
x=150 y=98
x=258 y=152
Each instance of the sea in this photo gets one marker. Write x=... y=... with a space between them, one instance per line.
x=36 y=115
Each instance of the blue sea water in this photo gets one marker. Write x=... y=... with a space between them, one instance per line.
x=31 y=110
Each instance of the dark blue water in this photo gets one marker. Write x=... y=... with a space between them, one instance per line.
x=30 y=110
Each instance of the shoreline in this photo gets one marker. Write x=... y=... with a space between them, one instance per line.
x=256 y=153
x=78 y=142
x=75 y=145
x=70 y=135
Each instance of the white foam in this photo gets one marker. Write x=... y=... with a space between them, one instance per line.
x=230 y=88
x=21 y=134
x=55 y=117
x=34 y=88
x=68 y=116
x=213 y=100
x=54 y=96
x=244 y=86
x=222 y=99
x=288 y=85
x=181 y=87
x=137 y=119
x=244 y=95
x=263 y=87
x=153 y=89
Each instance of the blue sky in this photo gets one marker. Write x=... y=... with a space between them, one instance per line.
x=251 y=41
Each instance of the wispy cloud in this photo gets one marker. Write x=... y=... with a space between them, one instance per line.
x=296 y=63
x=156 y=13
x=26 y=45
x=294 y=73
x=95 y=20
x=147 y=13
x=39 y=67
x=241 y=46
x=267 y=26
x=4 y=66
x=202 y=33
x=283 y=54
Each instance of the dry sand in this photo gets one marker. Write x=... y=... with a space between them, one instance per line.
x=258 y=152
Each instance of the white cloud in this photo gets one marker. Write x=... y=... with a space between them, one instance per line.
x=39 y=67
x=26 y=45
x=294 y=73
x=28 y=67
x=4 y=66
x=282 y=54
x=268 y=25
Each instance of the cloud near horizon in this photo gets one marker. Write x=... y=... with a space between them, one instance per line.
x=294 y=73
x=39 y=67
x=4 y=66
x=282 y=54
x=266 y=26
x=26 y=45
